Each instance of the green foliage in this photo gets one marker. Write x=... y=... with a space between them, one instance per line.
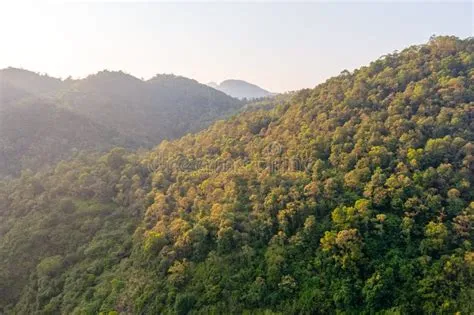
x=49 y=266
x=353 y=197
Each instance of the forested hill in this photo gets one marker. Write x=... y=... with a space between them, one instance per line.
x=38 y=134
x=44 y=119
x=164 y=107
x=27 y=83
x=354 y=197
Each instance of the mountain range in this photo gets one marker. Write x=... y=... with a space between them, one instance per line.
x=45 y=119
x=354 y=197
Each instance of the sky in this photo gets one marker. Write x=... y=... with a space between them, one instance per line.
x=278 y=46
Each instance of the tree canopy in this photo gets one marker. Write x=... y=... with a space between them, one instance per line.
x=352 y=197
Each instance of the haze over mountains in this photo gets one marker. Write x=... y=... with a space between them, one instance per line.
x=44 y=119
x=354 y=197
x=241 y=89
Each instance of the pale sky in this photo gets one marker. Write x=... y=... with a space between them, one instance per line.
x=279 y=46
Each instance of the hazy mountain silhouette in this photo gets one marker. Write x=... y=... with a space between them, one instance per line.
x=240 y=89
x=132 y=112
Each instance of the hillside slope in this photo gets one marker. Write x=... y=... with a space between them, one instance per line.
x=163 y=107
x=108 y=105
x=355 y=196
x=30 y=82
x=36 y=135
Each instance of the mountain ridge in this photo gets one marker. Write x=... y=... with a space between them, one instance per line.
x=146 y=112
x=352 y=197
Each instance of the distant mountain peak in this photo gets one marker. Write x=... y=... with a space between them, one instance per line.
x=236 y=81
x=240 y=89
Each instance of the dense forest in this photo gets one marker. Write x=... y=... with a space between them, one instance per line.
x=105 y=110
x=353 y=197
x=241 y=89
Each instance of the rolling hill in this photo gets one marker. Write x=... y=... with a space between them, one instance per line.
x=98 y=112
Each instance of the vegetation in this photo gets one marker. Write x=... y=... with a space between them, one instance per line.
x=59 y=118
x=353 y=197
x=49 y=134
